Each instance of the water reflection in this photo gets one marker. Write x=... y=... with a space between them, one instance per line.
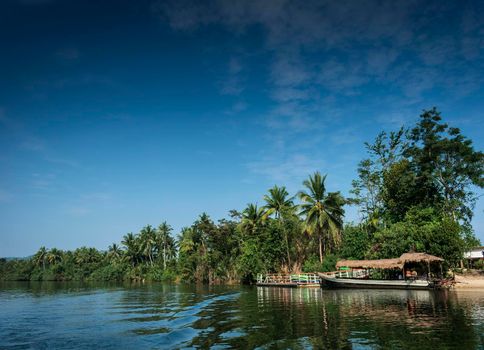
x=176 y=316
x=381 y=318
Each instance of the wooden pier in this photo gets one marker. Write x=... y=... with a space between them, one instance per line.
x=288 y=280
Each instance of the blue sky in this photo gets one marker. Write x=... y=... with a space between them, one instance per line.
x=118 y=114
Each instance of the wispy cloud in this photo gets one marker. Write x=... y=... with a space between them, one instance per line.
x=232 y=83
x=328 y=56
x=286 y=170
x=85 y=204
x=320 y=43
x=41 y=181
x=78 y=211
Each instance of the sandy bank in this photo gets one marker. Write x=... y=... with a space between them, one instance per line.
x=469 y=281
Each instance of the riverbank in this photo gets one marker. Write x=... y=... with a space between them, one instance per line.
x=469 y=280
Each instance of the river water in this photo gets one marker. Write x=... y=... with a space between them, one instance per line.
x=161 y=316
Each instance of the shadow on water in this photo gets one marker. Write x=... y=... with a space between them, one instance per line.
x=80 y=315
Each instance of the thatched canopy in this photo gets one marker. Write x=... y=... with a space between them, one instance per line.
x=371 y=264
x=419 y=257
x=396 y=263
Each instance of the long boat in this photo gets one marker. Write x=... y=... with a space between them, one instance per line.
x=358 y=273
x=337 y=282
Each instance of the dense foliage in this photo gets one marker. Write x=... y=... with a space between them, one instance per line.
x=414 y=192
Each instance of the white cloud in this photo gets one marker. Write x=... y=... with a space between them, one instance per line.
x=329 y=59
x=285 y=170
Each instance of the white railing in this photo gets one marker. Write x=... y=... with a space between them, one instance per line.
x=299 y=278
x=348 y=274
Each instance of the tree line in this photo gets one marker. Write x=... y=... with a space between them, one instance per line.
x=414 y=191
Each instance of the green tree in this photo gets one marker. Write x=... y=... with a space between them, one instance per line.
x=323 y=212
x=355 y=242
x=54 y=256
x=423 y=230
x=165 y=243
x=186 y=256
x=279 y=203
x=446 y=164
x=131 y=245
x=252 y=218
x=40 y=257
x=147 y=238
x=369 y=189
x=114 y=252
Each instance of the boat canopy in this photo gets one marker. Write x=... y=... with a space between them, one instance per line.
x=371 y=264
x=396 y=263
x=419 y=257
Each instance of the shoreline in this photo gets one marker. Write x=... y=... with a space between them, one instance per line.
x=467 y=281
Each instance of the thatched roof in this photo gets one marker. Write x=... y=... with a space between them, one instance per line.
x=396 y=263
x=419 y=257
x=371 y=264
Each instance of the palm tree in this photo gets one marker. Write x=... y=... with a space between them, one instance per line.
x=54 y=256
x=85 y=257
x=252 y=218
x=277 y=203
x=323 y=211
x=114 y=252
x=185 y=240
x=148 y=242
x=165 y=242
x=132 y=248
x=40 y=257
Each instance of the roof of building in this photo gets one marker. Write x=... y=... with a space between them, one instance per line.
x=477 y=248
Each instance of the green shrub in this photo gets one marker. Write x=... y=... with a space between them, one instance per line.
x=313 y=265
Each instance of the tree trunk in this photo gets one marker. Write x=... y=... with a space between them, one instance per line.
x=288 y=255
x=164 y=257
x=287 y=246
x=320 y=249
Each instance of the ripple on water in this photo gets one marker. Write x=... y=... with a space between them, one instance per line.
x=162 y=317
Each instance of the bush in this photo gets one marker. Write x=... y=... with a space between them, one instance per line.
x=355 y=244
x=313 y=265
x=479 y=264
x=115 y=272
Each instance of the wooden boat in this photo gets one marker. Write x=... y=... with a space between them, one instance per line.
x=358 y=273
x=337 y=282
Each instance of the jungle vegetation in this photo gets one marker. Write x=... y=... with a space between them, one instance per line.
x=416 y=190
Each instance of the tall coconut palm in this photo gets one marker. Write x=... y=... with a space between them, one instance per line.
x=323 y=211
x=148 y=242
x=132 y=248
x=185 y=240
x=277 y=203
x=252 y=218
x=114 y=252
x=40 y=257
x=54 y=256
x=165 y=242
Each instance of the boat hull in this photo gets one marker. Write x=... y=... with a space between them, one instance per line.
x=332 y=282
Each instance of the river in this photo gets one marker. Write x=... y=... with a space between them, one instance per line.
x=162 y=316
